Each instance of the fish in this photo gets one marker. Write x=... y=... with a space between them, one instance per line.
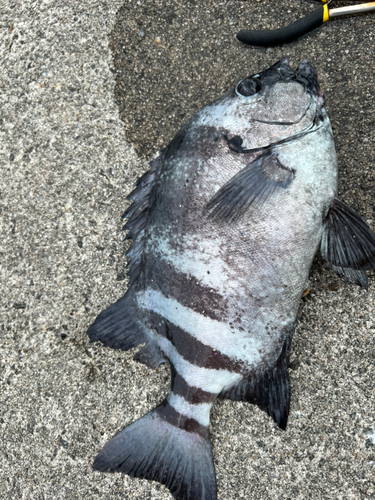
x=224 y=227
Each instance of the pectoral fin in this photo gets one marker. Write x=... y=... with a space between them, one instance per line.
x=347 y=244
x=252 y=186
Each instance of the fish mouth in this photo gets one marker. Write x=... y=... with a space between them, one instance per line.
x=304 y=74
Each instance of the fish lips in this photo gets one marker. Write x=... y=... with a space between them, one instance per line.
x=304 y=74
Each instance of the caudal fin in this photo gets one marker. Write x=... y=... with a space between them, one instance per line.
x=155 y=447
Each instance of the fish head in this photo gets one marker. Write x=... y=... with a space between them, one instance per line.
x=268 y=107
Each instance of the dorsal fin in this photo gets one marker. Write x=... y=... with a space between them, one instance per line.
x=137 y=215
x=120 y=325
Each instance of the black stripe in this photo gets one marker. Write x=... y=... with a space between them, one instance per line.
x=188 y=290
x=194 y=395
x=167 y=413
x=192 y=350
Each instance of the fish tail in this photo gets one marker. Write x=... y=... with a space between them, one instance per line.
x=167 y=447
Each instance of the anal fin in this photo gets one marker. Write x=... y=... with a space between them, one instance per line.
x=270 y=390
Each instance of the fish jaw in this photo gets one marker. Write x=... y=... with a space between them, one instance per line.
x=288 y=104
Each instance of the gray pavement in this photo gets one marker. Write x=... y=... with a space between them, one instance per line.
x=90 y=90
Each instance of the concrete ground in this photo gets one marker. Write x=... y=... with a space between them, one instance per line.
x=90 y=90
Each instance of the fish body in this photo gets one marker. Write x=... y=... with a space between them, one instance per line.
x=225 y=226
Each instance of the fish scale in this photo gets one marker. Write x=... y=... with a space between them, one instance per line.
x=225 y=226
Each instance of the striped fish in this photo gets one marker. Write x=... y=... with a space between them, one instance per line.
x=225 y=226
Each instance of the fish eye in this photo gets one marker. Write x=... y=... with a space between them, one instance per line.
x=248 y=87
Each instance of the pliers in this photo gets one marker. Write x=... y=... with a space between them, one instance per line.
x=302 y=26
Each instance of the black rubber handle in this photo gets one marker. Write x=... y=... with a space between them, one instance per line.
x=283 y=35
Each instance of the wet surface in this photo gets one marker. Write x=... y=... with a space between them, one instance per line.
x=66 y=171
